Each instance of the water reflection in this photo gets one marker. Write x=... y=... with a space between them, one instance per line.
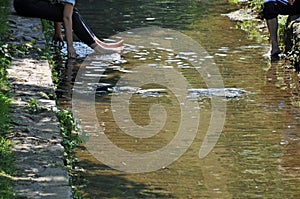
x=257 y=155
x=284 y=80
x=117 y=16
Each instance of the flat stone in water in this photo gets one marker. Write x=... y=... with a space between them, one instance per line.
x=95 y=75
x=151 y=91
x=215 y=92
x=123 y=89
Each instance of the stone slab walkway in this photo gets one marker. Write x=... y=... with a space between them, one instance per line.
x=41 y=172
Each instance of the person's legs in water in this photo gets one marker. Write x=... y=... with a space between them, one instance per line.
x=82 y=30
x=109 y=45
x=271 y=10
x=54 y=12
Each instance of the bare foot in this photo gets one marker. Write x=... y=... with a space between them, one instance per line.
x=276 y=53
x=103 y=50
x=273 y=53
x=110 y=45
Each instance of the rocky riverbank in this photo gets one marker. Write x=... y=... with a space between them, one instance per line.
x=291 y=34
x=41 y=172
x=292 y=40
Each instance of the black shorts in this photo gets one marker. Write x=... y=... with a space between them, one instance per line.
x=54 y=12
x=274 y=8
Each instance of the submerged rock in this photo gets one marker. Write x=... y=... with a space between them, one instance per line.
x=202 y=93
x=192 y=94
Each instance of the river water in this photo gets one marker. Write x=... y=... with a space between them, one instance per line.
x=256 y=153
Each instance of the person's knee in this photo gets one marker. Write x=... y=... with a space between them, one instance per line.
x=75 y=12
x=76 y=16
x=270 y=10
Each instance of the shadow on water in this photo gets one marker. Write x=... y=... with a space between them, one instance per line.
x=110 y=17
x=113 y=184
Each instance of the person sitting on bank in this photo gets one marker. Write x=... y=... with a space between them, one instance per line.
x=271 y=10
x=64 y=12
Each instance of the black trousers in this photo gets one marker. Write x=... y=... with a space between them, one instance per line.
x=272 y=9
x=54 y=12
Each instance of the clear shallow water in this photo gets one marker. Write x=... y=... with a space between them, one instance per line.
x=257 y=154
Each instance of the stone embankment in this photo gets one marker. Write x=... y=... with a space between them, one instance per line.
x=41 y=172
x=292 y=40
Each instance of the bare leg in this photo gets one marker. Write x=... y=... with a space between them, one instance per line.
x=273 y=30
x=85 y=34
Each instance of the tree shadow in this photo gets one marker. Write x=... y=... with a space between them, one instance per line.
x=101 y=181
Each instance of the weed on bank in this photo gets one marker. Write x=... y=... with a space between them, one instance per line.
x=6 y=155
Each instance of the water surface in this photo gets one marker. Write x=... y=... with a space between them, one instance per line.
x=257 y=154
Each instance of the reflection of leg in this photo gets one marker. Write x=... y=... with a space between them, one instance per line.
x=273 y=29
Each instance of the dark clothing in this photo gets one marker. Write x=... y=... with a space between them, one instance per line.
x=54 y=12
x=273 y=8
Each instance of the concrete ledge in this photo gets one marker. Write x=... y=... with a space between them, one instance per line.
x=41 y=172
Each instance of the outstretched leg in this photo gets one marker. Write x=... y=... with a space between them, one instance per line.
x=54 y=12
x=85 y=34
x=109 y=45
